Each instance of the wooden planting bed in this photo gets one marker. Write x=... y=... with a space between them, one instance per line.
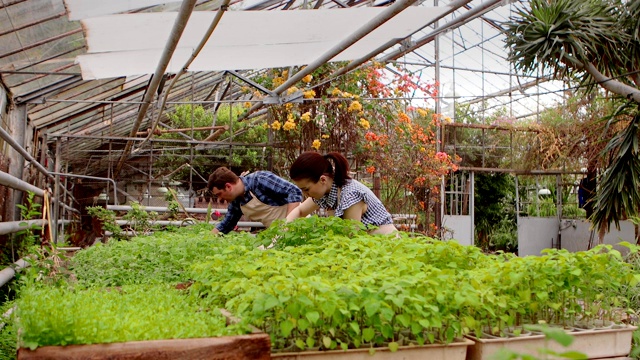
x=245 y=347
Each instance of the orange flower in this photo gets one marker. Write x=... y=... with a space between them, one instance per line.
x=371 y=169
x=370 y=136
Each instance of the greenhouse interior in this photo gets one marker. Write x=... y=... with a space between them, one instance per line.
x=342 y=179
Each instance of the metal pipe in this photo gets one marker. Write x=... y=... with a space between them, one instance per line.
x=15 y=183
x=14 y=144
x=363 y=31
x=186 y=222
x=176 y=32
x=9 y=227
x=115 y=198
x=477 y=11
x=223 y=8
x=163 y=209
x=7 y=137
x=355 y=63
x=9 y=272
x=56 y=189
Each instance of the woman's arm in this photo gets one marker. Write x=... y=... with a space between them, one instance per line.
x=355 y=211
x=305 y=208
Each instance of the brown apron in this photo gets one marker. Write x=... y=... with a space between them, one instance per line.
x=256 y=210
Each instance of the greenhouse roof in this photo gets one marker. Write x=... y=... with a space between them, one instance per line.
x=83 y=68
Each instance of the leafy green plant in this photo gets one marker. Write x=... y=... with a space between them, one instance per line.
x=308 y=230
x=139 y=219
x=8 y=332
x=65 y=316
x=28 y=236
x=108 y=220
x=163 y=258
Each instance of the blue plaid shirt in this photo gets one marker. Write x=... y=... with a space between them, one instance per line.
x=268 y=188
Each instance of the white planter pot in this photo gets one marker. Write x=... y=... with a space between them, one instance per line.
x=594 y=343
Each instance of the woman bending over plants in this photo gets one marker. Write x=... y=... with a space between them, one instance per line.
x=325 y=180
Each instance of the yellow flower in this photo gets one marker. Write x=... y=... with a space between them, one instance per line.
x=245 y=89
x=316 y=144
x=247 y=104
x=306 y=117
x=277 y=81
x=290 y=117
x=289 y=125
x=276 y=125
x=288 y=106
x=354 y=106
x=285 y=73
x=423 y=112
x=447 y=120
x=364 y=123
x=309 y=94
x=325 y=136
x=336 y=92
x=422 y=149
x=307 y=79
x=291 y=90
x=265 y=126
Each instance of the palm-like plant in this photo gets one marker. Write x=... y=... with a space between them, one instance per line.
x=598 y=43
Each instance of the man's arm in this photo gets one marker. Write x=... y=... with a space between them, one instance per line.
x=230 y=220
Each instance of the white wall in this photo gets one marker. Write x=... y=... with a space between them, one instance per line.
x=536 y=234
x=460 y=228
x=576 y=234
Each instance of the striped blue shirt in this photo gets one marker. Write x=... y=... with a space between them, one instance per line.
x=268 y=188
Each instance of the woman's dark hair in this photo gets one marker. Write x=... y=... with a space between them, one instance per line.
x=311 y=165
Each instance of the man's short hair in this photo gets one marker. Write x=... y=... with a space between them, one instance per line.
x=220 y=177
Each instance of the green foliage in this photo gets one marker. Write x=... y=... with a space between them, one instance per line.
x=309 y=230
x=8 y=333
x=495 y=211
x=619 y=193
x=65 y=316
x=345 y=289
x=108 y=220
x=162 y=258
x=140 y=220
x=186 y=116
x=564 y=34
x=28 y=236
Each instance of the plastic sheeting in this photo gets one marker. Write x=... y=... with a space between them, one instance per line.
x=131 y=44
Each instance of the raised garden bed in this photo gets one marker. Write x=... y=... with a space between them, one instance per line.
x=452 y=351
x=246 y=347
x=595 y=344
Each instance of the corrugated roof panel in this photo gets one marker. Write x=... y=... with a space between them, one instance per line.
x=82 y=9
